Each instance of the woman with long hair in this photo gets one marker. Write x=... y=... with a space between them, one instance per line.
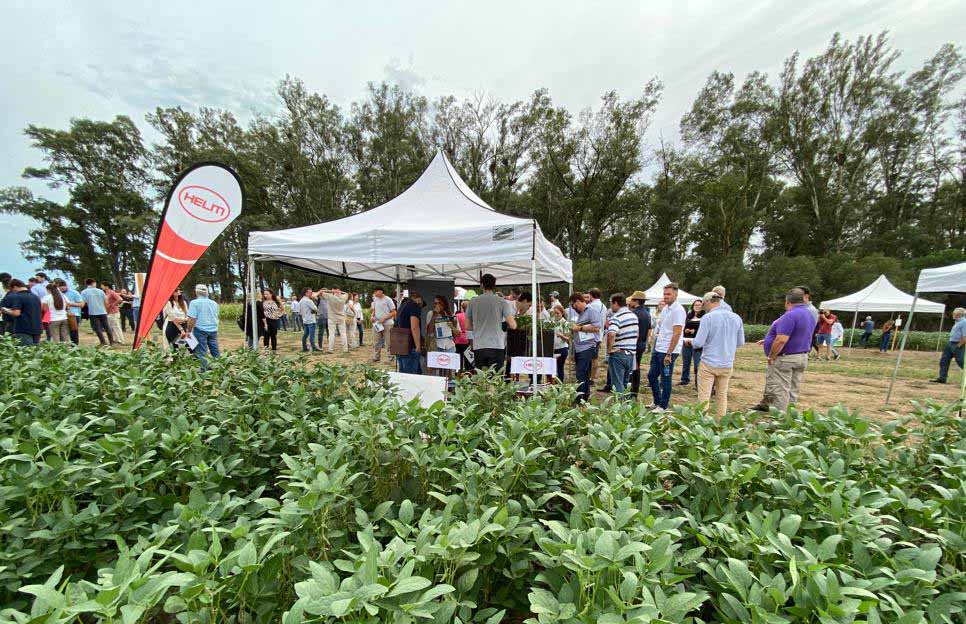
x=886 y=336
x=442 y=327
x=561 y=339
x=53 y=304
x=690 y=356
x=175 y=314
x=273 y=310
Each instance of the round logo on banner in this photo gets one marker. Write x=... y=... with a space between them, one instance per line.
x=529 y=365
x=204 y=204
x=443 y=360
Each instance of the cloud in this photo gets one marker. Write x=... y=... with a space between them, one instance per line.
x=407 y=78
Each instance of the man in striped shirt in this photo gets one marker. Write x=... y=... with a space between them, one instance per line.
x=621 y=343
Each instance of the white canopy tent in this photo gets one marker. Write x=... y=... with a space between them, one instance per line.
x=436 y=229
x=880 y=296
x=655 y=294
x=937 y=280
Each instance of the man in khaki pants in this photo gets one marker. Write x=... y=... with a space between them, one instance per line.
x=787 y=345
x=720 y=334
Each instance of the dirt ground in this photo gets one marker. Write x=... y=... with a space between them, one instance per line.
x=858 y=380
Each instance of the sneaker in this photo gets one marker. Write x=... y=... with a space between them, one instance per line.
x=761 y=407
x=837 y=356
x=937 y=380
x=684 y=383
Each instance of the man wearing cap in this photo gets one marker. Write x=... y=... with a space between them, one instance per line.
x=720 y=334
x=720 y=291
x=636 y=305
x=203 y=323
x=955 y=347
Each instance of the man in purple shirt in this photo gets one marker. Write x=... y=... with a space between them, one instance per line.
x=786 y=346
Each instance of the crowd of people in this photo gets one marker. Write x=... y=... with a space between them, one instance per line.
x=586 y=330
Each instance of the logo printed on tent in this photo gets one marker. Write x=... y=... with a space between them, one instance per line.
x=502 y=232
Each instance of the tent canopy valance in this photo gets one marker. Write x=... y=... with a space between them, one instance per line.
x=655 y=294
x=436 y=229
x=881 y=296
x=942 y=279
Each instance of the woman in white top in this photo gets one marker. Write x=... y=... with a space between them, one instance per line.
x=357 y=308
x=175 y=318
x=838 y=332
x=54 y=303
x=442 y=327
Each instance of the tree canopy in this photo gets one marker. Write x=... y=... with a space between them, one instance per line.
x=837 y=169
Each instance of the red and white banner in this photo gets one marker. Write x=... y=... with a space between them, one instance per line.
x=204 y=201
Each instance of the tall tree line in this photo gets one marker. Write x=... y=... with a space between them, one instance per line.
x=836 y=170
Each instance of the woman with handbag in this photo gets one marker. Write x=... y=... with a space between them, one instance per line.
x=175 y=314
x=273 y=311
x=441 y=329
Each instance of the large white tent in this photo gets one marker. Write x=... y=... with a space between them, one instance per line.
x=880 y=296
x=948 y=279
x=436 y=229
x=655 y=294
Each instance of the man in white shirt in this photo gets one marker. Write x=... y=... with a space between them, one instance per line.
x=592 y=297
x=667 y=347
x=383 y=313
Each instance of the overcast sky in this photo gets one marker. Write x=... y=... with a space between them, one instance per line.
x=99 y=59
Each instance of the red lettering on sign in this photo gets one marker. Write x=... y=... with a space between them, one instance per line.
x=204 y=204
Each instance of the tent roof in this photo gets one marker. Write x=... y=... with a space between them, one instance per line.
x=881 y=296
x=942 y=279
x=437 y=228
x=655 y=294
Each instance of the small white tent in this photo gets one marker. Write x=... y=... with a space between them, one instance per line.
x=948 y=279
x=880 y=296
x=437 y=228
x=655 y=294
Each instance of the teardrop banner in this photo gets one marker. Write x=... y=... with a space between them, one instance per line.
x=203 y=201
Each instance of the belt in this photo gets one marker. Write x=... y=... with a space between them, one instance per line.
x=796 y=353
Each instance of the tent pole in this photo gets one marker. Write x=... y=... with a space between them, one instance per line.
x=902 y=346
x=533 y=319
x=852 y=334
x=962 y=390
x=251 y=294
x=939 y=336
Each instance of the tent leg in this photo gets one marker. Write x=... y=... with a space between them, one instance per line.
x=962 y=391
x=251 y=294
x=902 y=346
x=939 y=336
x=852 y=334
x=533 y=328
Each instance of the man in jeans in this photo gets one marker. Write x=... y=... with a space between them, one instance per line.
x=485 y=317
x=720 y=334
x=667 y=347
x=868 y=326
x=636 y=304
x=306 y=310
x=74 y=304
x=410 y=317
x=96 y=303
x=787 y=345
x=622 y=334
x=383 y=313
x=586 y=341
x=203 y=323
x=955 y=347
x=24 y=308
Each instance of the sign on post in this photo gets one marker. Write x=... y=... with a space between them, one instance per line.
x=443 y=360
x=523 y=365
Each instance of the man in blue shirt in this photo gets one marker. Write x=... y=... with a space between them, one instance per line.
x=955 y=347
x=586 y=331
x=719 y=335
x=74 y=304
x=203 y=323
x=24 y=307
x=867 y=327
x=96 y=303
